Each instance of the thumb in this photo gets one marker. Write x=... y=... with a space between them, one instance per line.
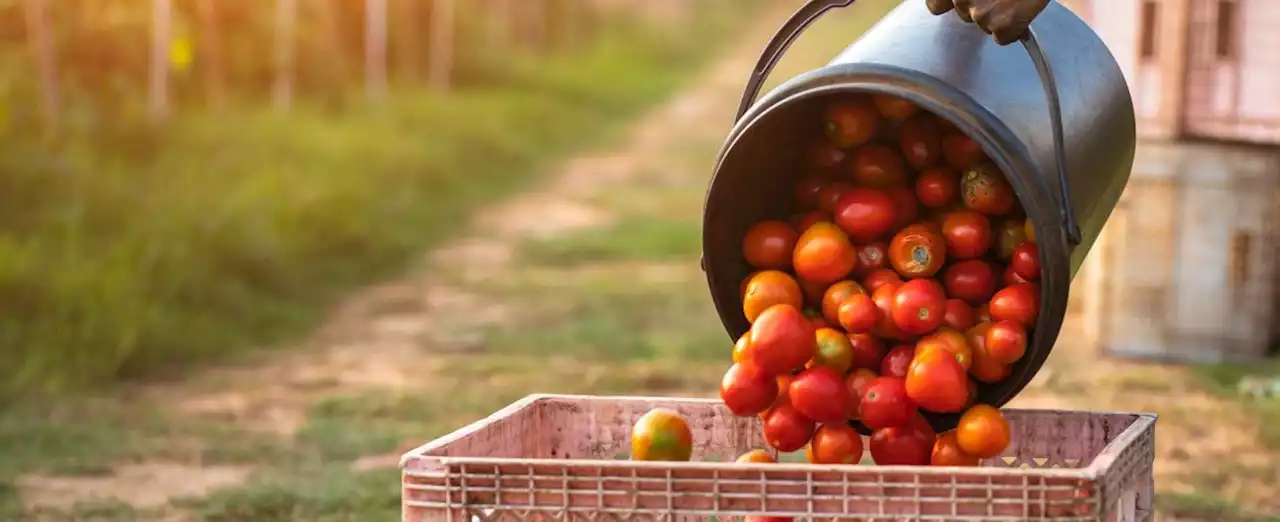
x=938 y=7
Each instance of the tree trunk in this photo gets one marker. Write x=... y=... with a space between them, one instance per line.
x=45 y=61
x=443 y=24
x=286 y=51
x=161 y=27
x=499 y=27
x=375 y=49
x=407 y=32
x=209 y=48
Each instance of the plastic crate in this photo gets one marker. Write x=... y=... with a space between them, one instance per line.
x=560 y=457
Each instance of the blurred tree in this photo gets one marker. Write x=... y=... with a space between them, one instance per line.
x=42 y=55
x=209 y=47
x=407 y=31
x=285 y=53
x=161 y=30
x=375 y=49
x=443 y=23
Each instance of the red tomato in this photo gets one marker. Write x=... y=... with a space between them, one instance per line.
x=851 y=122
x=859 y=314
x=984 y=189
x=866 y=214
x=973 y=281
x=937 y=382
x=898 y=361
x=983 y=314
x=824 y=254
x=909 y=445
x=1006 y=341
x=879 y=277
x=801 y=222
x=867 y=351
x=786 y=430
x=885 y=404
x=808 y=190
x=835 y=444
x=820 y=394
x=960 y=151
x=831 y=193
x=768 y=244
x=918 y=251
x=835 y=296
x=878 y=166
x=1019 y=303
x=1009 y=234
x=968 y=234
x=824 y=155
x=918 y=306
x=1011 y=278
x=984 y=368
x=893 y=107
x=958 y=315
x=983 y=432
x=782 y=339
x=856 y=382
x=747 y=390
x=784 y=390
x=767 y=288
x=883 y=297
x=1026 y=261
x=908 y=207
x=920 y=140
x=937 y=187
x=871 y=256
x=947 y=452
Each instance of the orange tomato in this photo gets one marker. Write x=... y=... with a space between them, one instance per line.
x=661 y=434
x=824 y=254
x=936 y=382
x=1006 y=341
x=983 y=432
x=740 y=348
x=835 y=296
x=947 y=452
x=756 y=456
x=985 y=368
x=951 y=340
x=767 y=288
x=918 y=250
x=835 y=444
x=893 y=107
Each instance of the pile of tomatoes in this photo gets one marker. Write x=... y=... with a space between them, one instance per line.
x=907 y=275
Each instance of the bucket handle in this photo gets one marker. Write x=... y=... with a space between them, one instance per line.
x=814 y=9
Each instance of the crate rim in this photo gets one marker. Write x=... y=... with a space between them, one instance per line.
x=418 y=462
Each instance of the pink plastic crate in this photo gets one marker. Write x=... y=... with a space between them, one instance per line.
x=562 y=457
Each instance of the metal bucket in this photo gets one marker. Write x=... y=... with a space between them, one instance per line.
x=1055 y=116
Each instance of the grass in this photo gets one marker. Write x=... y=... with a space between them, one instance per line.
x=1205 y=507
x=1223 y=379
x=149 y=249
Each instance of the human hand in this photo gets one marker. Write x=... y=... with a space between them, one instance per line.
x=1004 y=20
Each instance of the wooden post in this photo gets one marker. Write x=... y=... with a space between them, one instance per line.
x=375 y=49
x=443 y=23
x=44 y=59
x=209 y=49
x=285 y=54
x=158 y=86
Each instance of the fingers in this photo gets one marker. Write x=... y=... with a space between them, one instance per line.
x=938 y=7
x=963 y=9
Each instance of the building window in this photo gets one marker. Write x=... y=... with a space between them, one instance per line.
x=1228 y=18
x=1150 y=19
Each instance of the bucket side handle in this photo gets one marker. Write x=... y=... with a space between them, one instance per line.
x=814 y=9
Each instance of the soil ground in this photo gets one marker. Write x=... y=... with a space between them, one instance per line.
x=589 y=284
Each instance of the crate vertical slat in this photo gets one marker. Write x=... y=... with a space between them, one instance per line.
x=563 y=458
x=1188 y=257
